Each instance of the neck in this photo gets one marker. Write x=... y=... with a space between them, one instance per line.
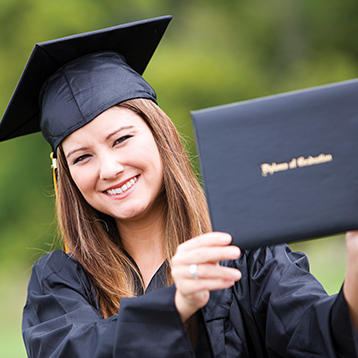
x=143 y=239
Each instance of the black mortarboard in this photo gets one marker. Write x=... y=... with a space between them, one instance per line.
x=69 y=81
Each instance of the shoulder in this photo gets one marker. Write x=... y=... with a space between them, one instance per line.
x=57 y=270
x=53 y=260
x=273 y=271
x=279 y=255
x=277 y=275
x=264 y=259
x=271 y=274
x=54 y=263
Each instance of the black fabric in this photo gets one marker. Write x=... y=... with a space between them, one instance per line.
x=84 y=88
x=277 y=309
x=61 y=318
x=157 y=282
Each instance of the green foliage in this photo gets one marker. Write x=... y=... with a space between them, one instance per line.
x=215 y=52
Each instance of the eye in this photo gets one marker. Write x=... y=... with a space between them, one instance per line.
x=81 y=158
x=122 y=139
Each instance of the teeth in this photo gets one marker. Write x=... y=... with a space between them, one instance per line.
x=122 y=189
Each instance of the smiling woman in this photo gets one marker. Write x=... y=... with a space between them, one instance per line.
x=132 y=141
x=117 y=147
x=142 y=275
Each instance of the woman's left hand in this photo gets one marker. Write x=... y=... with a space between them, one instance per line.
x=196 y=270
x=350 y=287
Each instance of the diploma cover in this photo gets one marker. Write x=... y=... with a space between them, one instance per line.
x=282 y=168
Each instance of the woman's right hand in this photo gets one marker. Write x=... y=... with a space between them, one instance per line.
x=206 y=251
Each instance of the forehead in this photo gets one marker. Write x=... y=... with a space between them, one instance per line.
x=112 y=121
x=112 y=118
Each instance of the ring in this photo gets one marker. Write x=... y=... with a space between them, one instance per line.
x=193 y=271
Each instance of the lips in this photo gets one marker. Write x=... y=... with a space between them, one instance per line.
x=123 y=188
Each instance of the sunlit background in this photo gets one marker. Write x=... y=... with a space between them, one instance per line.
x=214 y=52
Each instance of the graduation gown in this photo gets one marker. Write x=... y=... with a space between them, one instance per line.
x=277 y=309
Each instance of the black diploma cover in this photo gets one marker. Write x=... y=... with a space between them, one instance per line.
x=284 y=167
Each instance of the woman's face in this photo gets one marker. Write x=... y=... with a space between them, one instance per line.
x=116 y=165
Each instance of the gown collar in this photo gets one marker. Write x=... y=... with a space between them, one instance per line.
x=157 y=281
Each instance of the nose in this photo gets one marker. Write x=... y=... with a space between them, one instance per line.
x=111 y=167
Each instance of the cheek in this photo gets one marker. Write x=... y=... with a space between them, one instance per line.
x=83 y=180
x=154 y=160
x=160 y=170
x=158 y=173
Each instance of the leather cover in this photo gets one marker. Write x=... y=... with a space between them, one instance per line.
x=282 y=168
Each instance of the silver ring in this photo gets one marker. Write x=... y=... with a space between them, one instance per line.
x=193 y=271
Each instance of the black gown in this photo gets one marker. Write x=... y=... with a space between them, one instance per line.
x=277 y=309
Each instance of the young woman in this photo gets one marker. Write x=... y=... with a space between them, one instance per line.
x=134 y=221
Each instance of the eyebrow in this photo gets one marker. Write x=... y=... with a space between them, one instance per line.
x=108 y=137
x=74 y=151
x=118 y=130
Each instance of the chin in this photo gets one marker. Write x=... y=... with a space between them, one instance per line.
x=129 y=215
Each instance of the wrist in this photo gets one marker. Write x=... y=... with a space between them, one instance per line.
x=184 y=309
x=350 y=292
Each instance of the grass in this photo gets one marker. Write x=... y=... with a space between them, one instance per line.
x=327 y=258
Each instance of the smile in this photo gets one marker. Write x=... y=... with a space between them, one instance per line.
x=123 y=188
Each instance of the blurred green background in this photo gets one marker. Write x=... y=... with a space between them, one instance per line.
x=214 y=52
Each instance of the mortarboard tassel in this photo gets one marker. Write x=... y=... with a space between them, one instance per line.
x=54 y=167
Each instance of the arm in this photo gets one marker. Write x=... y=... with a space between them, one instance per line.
x=62 y=320
x=350 y=287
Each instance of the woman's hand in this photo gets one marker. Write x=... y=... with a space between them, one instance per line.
x=350 y=287
x=196 y=270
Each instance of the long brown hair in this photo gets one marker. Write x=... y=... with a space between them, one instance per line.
x=92 y=237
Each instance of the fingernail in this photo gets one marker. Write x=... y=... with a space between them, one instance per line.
x=234 y=253
x=236 y=275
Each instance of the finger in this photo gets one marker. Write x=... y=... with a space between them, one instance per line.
x=192 y=287
x=206 y=254
x=208 y=239
x=352 y=245
x=352 y=234
x=206 y=271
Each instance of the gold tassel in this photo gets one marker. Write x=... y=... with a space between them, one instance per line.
x=54 y=167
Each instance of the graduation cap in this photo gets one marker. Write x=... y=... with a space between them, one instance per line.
x=69 y=81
